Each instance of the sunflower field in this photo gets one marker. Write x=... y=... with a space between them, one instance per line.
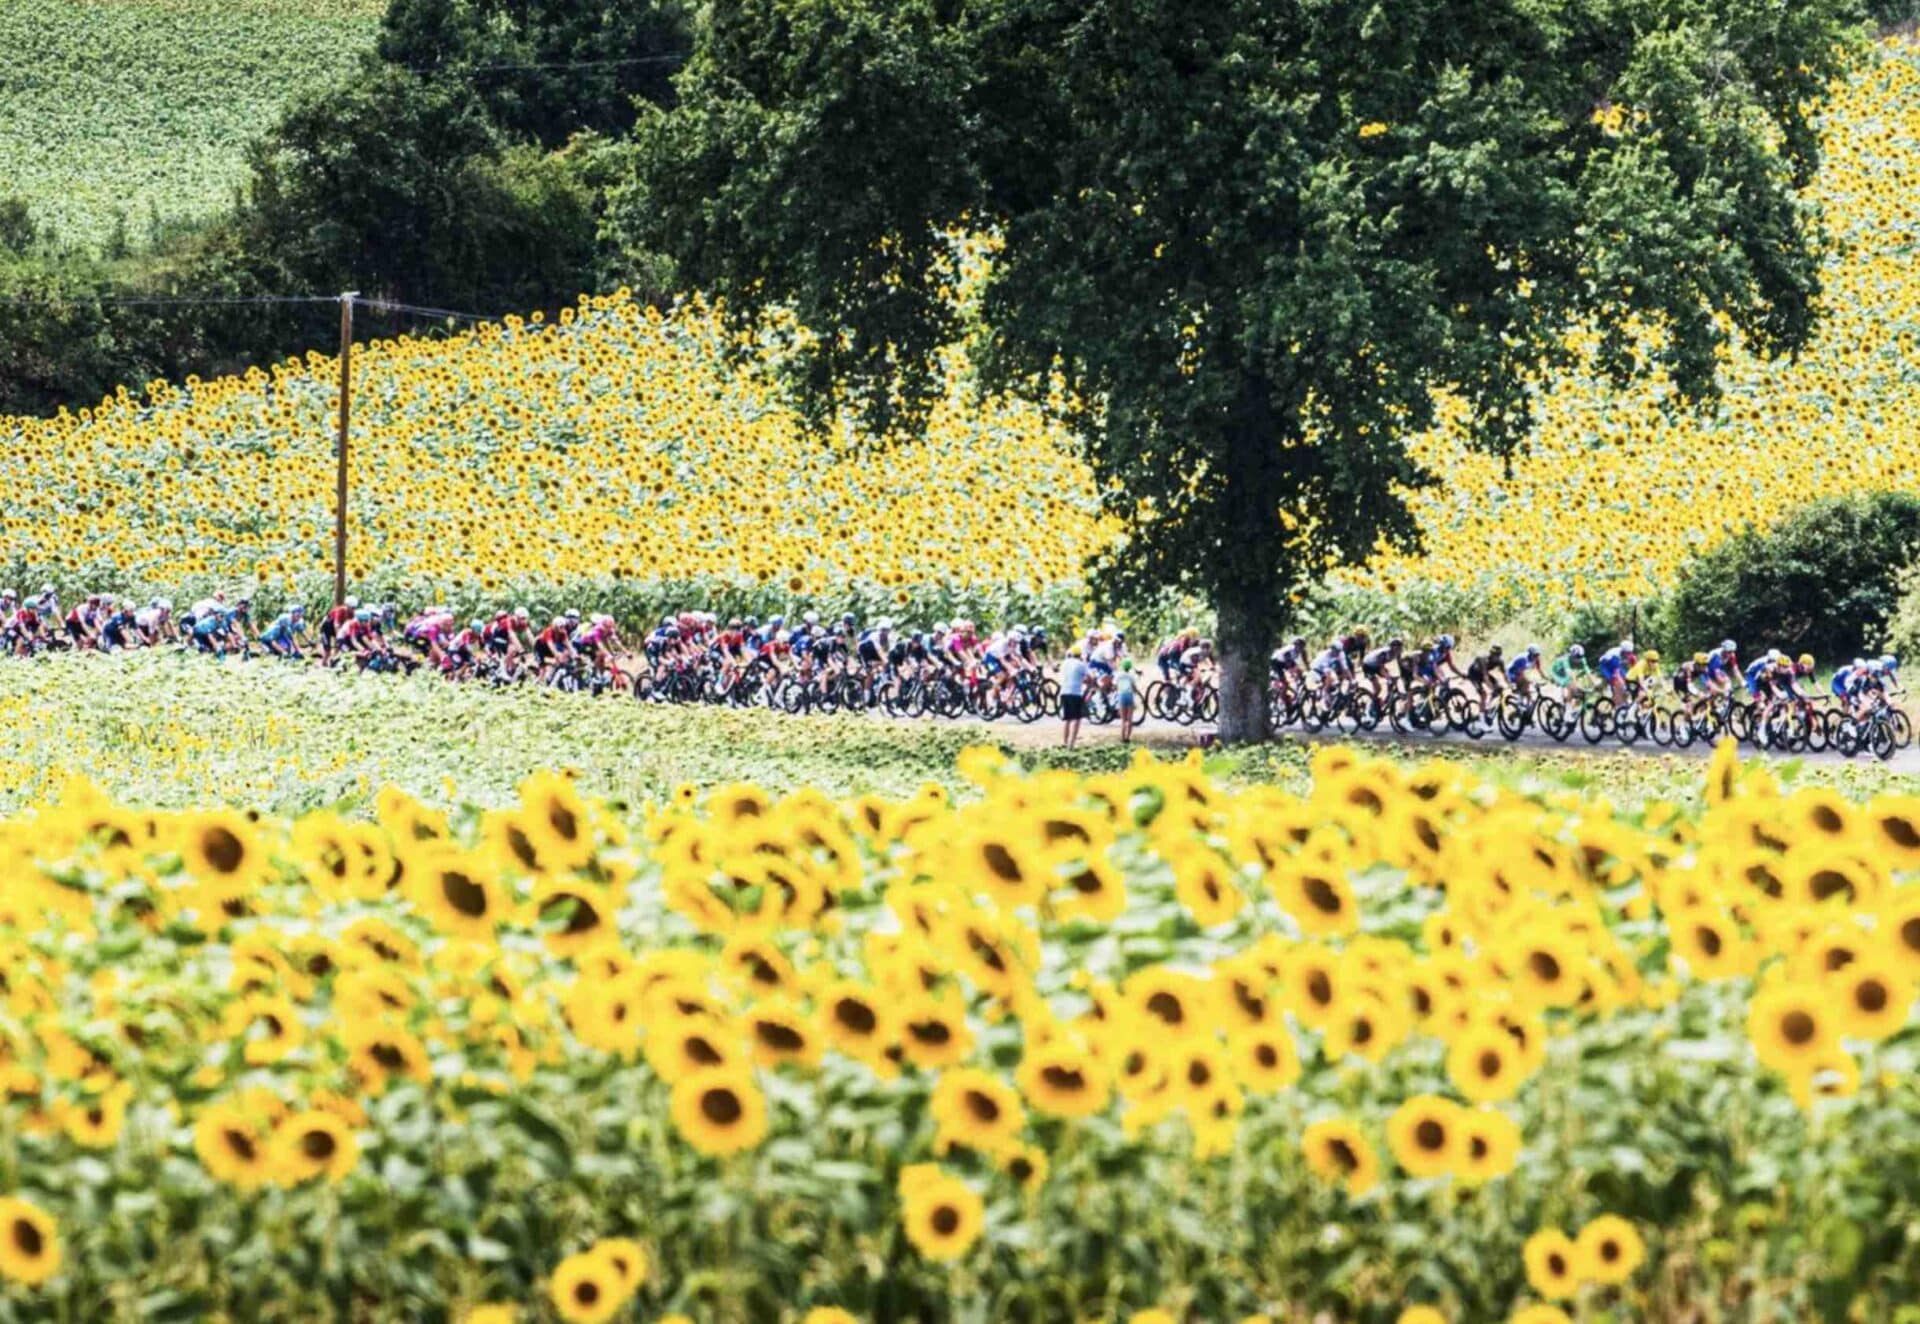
x=610 y=456
x=1123 y=1046
x=1619 y=490
x=124 y=112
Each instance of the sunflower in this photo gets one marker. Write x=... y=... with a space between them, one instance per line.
x=1426 y=1135
x=943 y=1217
x=1003 y=866
x=1792 y=1025
x=1337 y=1152
x=720 y=1111
x=269 y=1028
x=1891 y=825
x=233 y=1146
x=509 y=843
x=781 y=1035
x=1610 y=1250
x=974 y=1109
x=757 y=965
x=1265 y=1059
x=1554 y=1265
x=1063 y=1081
x=1485 y=1064
x=1091 y=890
x=221 y=847
x=556 y=822
x=574 y=916
x=586 y=1289
x=678 y=1046
x=934 y=1032
x=1205 y=885
x=1538 y=1314
x=1709 y=942
x=1875 y=996
x=1025 y=1164
x=855 y=1019
x=96 y=1123
x=1172 y=1002
x=1546 y=967
x=1313 y=985
x=1489 y=1145
x=379 y=1054
x=629 y=1260
x=29 y=1242
x=317 y=1143
x=1319 y=899
x=1898 y=923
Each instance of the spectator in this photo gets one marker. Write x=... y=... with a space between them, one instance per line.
x=1123 y=695
x=1073 y=694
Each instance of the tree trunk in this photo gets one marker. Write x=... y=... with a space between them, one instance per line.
x=1247 y=588
x=1246 y=639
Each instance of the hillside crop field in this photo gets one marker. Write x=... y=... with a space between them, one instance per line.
x=618 y=451
x=141 y=108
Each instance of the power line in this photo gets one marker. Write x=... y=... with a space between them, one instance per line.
x=115 y=301
x=388 y=306
x=671 y=57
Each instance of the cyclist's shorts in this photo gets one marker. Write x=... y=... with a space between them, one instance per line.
x=1100 y=668
x=991 y=665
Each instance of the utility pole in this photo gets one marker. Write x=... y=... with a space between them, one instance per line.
x=346 y=416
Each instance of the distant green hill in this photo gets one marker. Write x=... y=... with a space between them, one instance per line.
x=131 y=109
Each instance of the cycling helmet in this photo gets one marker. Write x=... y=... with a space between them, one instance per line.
x=1699 y=659
x=1446 y=641
x=1296 y=642
x=1626 y=645
x=1533 y=651
x=1494 y=651
x=734 y=624
x=475 y=626
x=667 y=624
x=559 y=623
x=1652 y=655
x=939 y=627
x=164 y=604
x=753 y=622
x=601 y=618
x=1577 y=652
x=366 y=615
x=810 y=620
x=847 y=619
x=522 y=615
x=46 y=590
x=573 y=613
x=298 y=609
x=1396 y=643
x=1726 y=646
x=1805 y=662
x=1890 y=662
x=775 y=622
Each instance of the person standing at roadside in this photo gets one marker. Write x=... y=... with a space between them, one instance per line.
x=1125 y=692
x=1073 y=695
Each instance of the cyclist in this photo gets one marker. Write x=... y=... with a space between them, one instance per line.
x=82 y=622
x=1760 y=678
x=1486 y=674
x=1570 y=671
x=286 y=632
x=463 y=649
x=1723 y=669
x=1376 y=663
x=553 y=648
x=1526 y=672
x=1330 y=668
x=1645 y=670
x=155 y=622
x=1167 y=656
x=1615 y=663
x=118 y=628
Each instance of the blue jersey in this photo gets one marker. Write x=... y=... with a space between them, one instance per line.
x=1756 y=672
x=1519 y=667
x=282 y=630
x=1719 y=664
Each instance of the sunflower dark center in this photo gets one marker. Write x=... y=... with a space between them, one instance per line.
x=780 y=1038
x=565 y=825
x=463 y=894
x=1167 y=1007
x=1066 y=1079
x=721 y=1106
x=28 y=1239
x=1322 y=896
x=855 y=1015
x=1709 y=940
x=1430 y=1135
x=1343 y=1155
x=1797 y=1028
x=1001 y=862
x=1319 y=988
x=1545 y=967
x=320 y=1146
x=1870 y=995
x=222 y=849
x=945 y=1220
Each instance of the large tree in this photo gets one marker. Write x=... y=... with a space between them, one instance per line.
x=1254 y=236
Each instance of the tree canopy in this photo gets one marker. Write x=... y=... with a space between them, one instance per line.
x=1253 y=237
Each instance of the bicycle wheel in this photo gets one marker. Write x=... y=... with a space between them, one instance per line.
x=1512 y=716
x=1596 y=721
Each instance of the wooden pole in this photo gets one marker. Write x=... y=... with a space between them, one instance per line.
x=346 y=416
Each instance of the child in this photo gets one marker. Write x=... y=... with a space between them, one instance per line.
x=1124 y=697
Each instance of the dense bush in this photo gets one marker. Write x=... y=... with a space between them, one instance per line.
x=1823 y=580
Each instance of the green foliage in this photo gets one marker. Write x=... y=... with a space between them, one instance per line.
x=1252 y=238
x=1821 y=581
x=594 y=62
x=132 y=113
x=1902 y=637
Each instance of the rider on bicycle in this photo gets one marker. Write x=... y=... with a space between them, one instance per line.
x=1615 y=663
x=286 y=632
x=1570 y=671
x=1526 y=672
